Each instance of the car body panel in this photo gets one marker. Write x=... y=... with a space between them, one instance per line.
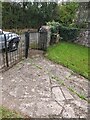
x=9 y=37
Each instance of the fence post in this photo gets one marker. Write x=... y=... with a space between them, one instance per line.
x=45 y=42
x=26 y=44
x=6 y=50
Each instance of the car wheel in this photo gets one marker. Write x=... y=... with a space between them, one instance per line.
x=13 y=45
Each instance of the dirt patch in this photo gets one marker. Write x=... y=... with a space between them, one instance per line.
x=35 y=53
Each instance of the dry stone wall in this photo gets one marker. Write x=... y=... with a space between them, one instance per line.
x=84 y=38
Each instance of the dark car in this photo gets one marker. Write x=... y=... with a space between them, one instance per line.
x=12 y=40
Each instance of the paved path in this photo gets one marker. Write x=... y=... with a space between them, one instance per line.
x=39 y=88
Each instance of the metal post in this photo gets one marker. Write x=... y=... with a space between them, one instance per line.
x=6 y=51
x=45 y=41
x=26 y=44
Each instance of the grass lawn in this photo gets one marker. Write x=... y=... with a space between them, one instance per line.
x=6 y=113
x=70 y=55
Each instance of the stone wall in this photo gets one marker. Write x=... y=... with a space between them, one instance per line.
x=46 y=29
x=84 y=37
x=45 y=36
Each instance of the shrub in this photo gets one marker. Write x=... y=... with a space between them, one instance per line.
x=54 y=26
x=67 y=33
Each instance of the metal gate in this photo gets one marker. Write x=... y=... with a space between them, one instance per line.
x=23 y=43
x=35 y=40
x=12 y=49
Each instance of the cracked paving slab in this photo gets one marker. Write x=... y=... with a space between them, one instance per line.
x=31 y=88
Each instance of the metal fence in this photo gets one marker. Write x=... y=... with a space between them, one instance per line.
x=37 y=40
x=12 y=49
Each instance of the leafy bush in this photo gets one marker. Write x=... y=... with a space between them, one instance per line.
x=68 y=13
x=67 y=33
x=54 y=26
x=82 y=25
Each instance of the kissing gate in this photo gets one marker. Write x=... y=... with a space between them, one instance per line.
x=29 y=40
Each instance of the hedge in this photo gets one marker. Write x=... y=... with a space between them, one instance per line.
x=68 y=34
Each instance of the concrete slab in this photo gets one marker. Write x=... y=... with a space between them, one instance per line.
x=30 y=88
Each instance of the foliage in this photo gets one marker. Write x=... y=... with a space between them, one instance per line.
x=67 y=13
x=36 y=14
x=70 y=55
x=27 y=14
x=54 y=26
x=0 y=14
x=6 y=113
x=68 y=33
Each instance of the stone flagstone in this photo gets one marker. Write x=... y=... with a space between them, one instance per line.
x=30 y=88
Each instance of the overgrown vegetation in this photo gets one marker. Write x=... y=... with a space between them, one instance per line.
x=70 y=55
x=27 y=14
x=34 y=14
x=6 y=113
x=61 y=82
x=67 y=33
x=67 y=14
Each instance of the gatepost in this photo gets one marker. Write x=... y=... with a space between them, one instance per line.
x=44 y=40
x=26 y=44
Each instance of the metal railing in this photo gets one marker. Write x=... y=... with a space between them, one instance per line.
x=12 y=49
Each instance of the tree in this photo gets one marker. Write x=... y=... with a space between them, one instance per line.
x=67 y=13
x=34 y=14
x=0 y=15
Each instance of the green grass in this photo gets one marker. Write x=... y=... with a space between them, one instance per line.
x=61 y=82
x=70 y=55
x=6 y=113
